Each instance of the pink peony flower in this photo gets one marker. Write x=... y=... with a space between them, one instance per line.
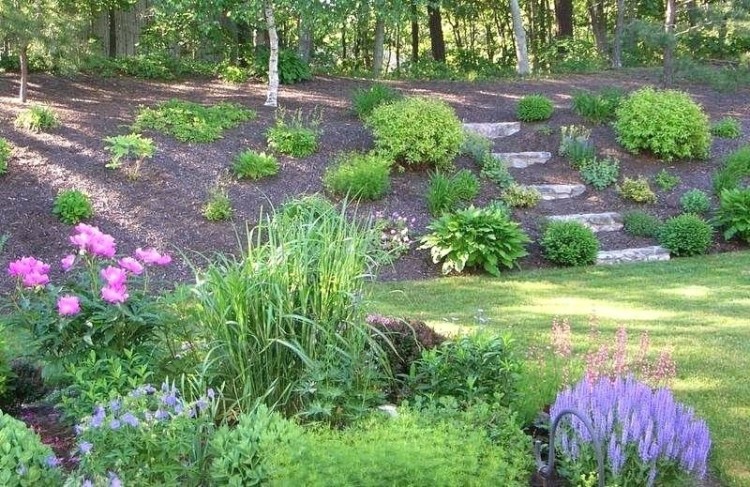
x=103 y=245
x=152 y=256
x=114 y=276
x=115 y=294
x=91 y=239
x=32 y=272
x=34 y=279
x=131 y=265
x=67 y=262
x=68 y=305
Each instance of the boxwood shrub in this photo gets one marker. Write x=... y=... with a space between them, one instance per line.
x=686 y=235
x=569 y=243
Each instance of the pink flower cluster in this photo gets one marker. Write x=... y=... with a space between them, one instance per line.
x=94 y=241
x=31 y=271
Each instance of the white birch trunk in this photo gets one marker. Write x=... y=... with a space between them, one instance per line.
x=617 y=44
x=273 y=58
x=522 y=53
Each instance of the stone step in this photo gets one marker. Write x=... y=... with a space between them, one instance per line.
x=598 y=222
x=558 y=191
x=519 y=160
x=495 y=129
x=643 y=254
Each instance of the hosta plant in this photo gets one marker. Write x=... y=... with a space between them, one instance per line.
x=25 y=461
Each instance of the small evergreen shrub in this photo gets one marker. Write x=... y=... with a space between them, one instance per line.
x=445 y=193
x=695 y=201
x=666 y=181
x=667 y=123
x=476 y=146
x=293 y=135
x=597 y=107
x=417 y=131
x=686 y=235
x=496 y=171
x=519 y=196
x=734 y=172
x=365 y=176
x=641 y=224
x=25 y=460
x=600 y=173
x=5 y=150
x=569 y=243
x=734 y=213
x=364 y=101
x=637 y=190
x=250 y=164
x=726 y=128
x=37 y=118
x=71 y=206
x=475 y=237
x=218 y=207
x=534 y=108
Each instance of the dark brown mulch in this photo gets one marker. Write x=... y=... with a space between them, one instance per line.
x=45 y=421
x=162 y=208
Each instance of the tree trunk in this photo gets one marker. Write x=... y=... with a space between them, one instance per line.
x=617 y=42
x=112 y=33
x=414 y=32
x=437 y=41
x=599 y=24
x=377 y=52
x=304 y=49
x=519 y=34
x=669 y=20
x=273 y=58
x=24 y=59
x=343 y=41
x=564 y=18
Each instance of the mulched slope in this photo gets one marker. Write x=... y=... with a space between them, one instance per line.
x=162 y=208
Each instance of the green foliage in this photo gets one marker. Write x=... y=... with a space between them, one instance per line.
x=291 y=67
x=250 y=164
x=666 y=181
x=637 y=190
x=133 y=147
x=365 y=176
x=294 y=135
x=641 y=224
x=570 y=55
x=600 y=173
x=475 y=237
x=734 y=213
x=726 y=128
x=24 y=384
x=364 y=101
x=187 y=121
x=234 y=74
x=71 y=206
x=446 y=193
x=417 y=131
x=5 y=151
x=569 y=243
x=162 y=66
x=496 y=171
x=534 y=108
x=735 y=170
x=218 y=207
x=37 y=118
x=519 y=196
x=576 y=145
x=667 y=123
x=476 y=146
x=695 y=201
x=597 y=107
x=686 y=235
x=5 y=371
x=25 y=460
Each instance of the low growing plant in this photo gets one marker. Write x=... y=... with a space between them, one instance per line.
x=734 y=172
x=71 y=206
x=569 y=243
x=598 y=106
x=600 y=173
x=132 y=147
x=218 y=207
x=641 y=224
x=293 y=135
x=686 y=235
x=666 y=181
x=519 y=196
x=393 y=236
x=727 y=128
x=250 y=164
x=637 y=190
x=37 y=118
x=576 y=145
x=695 y=201
x=445 y=193
x=25 y=460
x=364 y=101
x=534 y=108
x=496 y=171
x=365 y=176
x=292 y=69
x=476 y=146
x=734 y=213
x=5 y=151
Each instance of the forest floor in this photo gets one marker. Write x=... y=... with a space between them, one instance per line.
x=162 y=208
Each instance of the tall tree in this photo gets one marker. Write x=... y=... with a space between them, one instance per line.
x=519 y=35
x=377 y=55
x=564 y=18
x=669 y=42
x=414 y=18
x=437 y=40
x=617 y=42
x=273 y=58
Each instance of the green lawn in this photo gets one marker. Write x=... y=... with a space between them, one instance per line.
x=698 y=307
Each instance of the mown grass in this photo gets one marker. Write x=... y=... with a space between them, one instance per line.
x=697 y=307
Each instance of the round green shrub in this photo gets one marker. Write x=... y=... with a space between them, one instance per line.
x=686 y=235
x=417 y=131
x=254 y=165
x=71 y=206
x=365 y=176
x=734 y=213
x=667 y=123
x=569 y=243
x=25 y=460
x=695 y=201
x=534 y=108
x=641 y=224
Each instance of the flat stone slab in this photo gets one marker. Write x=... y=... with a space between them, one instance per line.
x=598 y=222
x=643 y=254
x=495 y=129
x=520 y=160
x=558 y=191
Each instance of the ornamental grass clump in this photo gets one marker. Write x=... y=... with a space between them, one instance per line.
x=648 y=438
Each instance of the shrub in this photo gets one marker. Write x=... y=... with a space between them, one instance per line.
x=519 y=196
x=392 y=236
x=637 y=190
x=496 y=171
x=476 y=146
x=735 y=170
x=192 y=122
x=445 y=194
x=417 y=131
x=294 y=135
x=695 y=201
x=534 y=108
x=38 y=118
x=667 y=123
x=218 y=207
x=475 y=237
x=365 y=176
x=133 y=147
x=597 y=107
x=364 y=101
x=600 y=173
x=666 y=181
x=686 y=235
x=234 y=74
x=734 y=213
x=648 y=437
x=5 y=151
x=641 y=224
x=569 y=243
x=25 y=461
x=726 y=128
x=254 y=165
x=292 y=69
x=71 y=206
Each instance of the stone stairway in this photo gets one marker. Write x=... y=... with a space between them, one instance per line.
x=522 y=160
x=493 y=130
